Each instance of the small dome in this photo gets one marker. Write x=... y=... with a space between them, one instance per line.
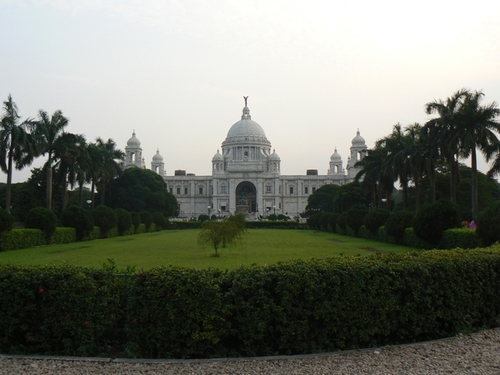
x=335 y=156
x=133 y=142
x=217 y=156
x=274 y=156
x=157 y=156
x=358 y=140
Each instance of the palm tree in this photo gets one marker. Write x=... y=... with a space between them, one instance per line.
x=16 y=145
x=46 y=131
x=445 y=128
x=67 y=149
x=108 y=165
x=477 y=128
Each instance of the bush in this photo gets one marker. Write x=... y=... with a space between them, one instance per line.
x=433 y=219
x=272 y=217
x=43 y=219
x=397 y=223
x=63 y=235
x=282 y=217
x=80 y=219
x=342 y=221
x=332 y=221
x=6 y=220
x=356 y=216
x=146 y=219
x=21 y=239
x=376 y=219
x=462 y=238
x=58 y=310
x=105 y=218
x=203 y=218
x=488 y=224
x=124 y=220
x=160 y=221
x=323 y=221
x=136 y=220
x=313 y=220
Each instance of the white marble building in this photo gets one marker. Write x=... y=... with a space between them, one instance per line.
x=246 y=176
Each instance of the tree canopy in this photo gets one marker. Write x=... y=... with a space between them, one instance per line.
x=322 y=199
x=141 y=189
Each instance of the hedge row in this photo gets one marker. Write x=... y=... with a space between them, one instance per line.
x=290 y=308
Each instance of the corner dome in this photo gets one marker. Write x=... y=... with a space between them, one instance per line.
x=217 y=156
x=335 y=156
x=358 y=140
x=157 y=156
x=133 y=142
x=274 y=156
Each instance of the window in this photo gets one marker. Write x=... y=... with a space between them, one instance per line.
x=185 y=190
x=223 y=208
x=291 y=190
x=280 y=189
x=268 y=189
x=314 y=189
x=171 y=191
x=223 y=189
x=200 y=191
x=178 y=191
x=306 y=190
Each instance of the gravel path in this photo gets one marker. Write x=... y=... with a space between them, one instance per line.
x=477 y=353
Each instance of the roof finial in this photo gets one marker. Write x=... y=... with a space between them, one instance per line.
x=246 y=98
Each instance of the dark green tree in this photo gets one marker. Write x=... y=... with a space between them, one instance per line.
x=105 y=218
x=488 y=224
x=376 y=219
x=146 y=219
x=140 y=189
x=6 y=220
x=397 y=223
x=78 y=218
x=433 y=219
x=349 y=195
x=124 y=220
x=42 y=218
x=356 y=216
x=322 y=199
x=17 y=148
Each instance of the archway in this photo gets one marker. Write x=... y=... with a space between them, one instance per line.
x=246 y=197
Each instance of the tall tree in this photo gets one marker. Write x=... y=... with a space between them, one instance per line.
x=67 y=149
x=16 y=145
x=46 y=131
x=477 y=129
x=445 y=127
x=109 y=167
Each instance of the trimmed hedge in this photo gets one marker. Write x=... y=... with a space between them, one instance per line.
x=57 y=310
x=63 y=235
x=319 y=305
x=460 y=238
x=21 y=239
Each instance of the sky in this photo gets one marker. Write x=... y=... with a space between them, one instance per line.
x=176 y=71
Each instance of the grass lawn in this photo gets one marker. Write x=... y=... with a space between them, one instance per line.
x=180 y=248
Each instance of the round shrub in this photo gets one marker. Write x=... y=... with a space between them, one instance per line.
x=488 y=224
x=43 y=219
x=433 y=219
x=160 y=220
x=313 y=221
x=375 y=219
x=203 y=217
x=124 y=220
x=78 y=218
x=272 y=217
x=282 y=217
x=136 y=220
x=323 y=221
x=6 y=220
x=332 y=221
x=146 y=219
x=342 y=221
x=356 y=216
x=397 y=223
x=105 y=218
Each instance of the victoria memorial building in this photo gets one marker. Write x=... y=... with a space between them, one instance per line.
x=246 y=176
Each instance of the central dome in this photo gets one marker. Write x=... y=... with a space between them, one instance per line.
x=246 y=131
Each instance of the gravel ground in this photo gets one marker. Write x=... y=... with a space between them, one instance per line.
x=477 y=353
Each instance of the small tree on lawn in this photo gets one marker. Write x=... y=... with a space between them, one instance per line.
x=221 y=233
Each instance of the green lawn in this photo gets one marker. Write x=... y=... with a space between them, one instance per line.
x=180 y=248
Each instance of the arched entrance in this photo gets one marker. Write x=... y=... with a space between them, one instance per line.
x=246 y=197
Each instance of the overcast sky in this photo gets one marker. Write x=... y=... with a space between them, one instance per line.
x=176 y=71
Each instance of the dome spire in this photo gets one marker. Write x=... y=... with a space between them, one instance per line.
x=246 y=110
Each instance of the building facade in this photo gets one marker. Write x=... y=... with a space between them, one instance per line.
x=246 y=176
